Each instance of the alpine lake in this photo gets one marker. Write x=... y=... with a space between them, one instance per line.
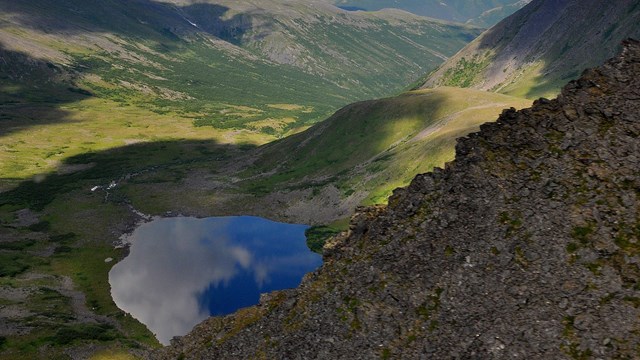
x=182 y=270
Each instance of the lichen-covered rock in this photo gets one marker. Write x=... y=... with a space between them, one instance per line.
x=526 y=246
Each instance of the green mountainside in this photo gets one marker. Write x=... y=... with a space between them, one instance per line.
x=360 y=154
x=110 y=109
x=478 y=12
x=56 y=232
x=536 y=50
x=205 y=59
x=525 y=246
x=357 y=156
x=240 y=72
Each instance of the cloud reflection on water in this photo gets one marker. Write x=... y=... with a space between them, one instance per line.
x=182 y=270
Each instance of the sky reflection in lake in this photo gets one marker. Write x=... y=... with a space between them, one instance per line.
x=182 y=270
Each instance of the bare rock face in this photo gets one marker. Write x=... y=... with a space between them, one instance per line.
x=526 y=246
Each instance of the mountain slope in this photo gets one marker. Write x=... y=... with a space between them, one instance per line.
x=55 y=232
x=95 y=93
x=525 y=246
x=539 y=48
x=222 y=63
x=246 y=73
x=477 y=12
x=358 y=155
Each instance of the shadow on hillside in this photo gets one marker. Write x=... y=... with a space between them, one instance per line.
x=362 y=134
x=591 y=27
x=128 y=18
x=120 y=164
x=31 y=91
x=357 y=135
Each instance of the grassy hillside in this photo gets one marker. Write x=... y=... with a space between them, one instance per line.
x=375 y=146
x=539 y=48
x=119 y=72
x=478 y=12
x=355 y=157
x=279 y=64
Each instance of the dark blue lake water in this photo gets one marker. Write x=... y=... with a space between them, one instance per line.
x=182 y=270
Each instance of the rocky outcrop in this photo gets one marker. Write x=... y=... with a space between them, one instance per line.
x=526 y=246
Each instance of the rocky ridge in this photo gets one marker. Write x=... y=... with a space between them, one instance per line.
x=526 y=246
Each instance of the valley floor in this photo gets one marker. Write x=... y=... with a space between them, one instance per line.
x=67 y=202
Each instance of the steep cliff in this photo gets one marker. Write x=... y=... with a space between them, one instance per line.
x=526 y=246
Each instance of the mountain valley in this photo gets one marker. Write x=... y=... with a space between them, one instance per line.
x=525 y=246
x=258 y=72
x=115 y=112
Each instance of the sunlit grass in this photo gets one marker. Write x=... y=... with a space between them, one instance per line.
x=94 y=125
x=290 y=107
x=460 y=112
x=380 y=145
x=531 y=84
x=112 y=355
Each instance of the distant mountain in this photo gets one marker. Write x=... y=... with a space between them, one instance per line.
x=542 y=46
x=478 y=12
x=525 y=246
x=224 y=63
